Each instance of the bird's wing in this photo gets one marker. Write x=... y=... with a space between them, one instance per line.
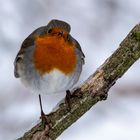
x=19 y=58
x=78 y=47
x=29 y=41
x=82 y=54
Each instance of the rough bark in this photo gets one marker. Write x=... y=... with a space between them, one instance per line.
x=94 y=89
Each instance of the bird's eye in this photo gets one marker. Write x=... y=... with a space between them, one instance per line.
x=50 y=30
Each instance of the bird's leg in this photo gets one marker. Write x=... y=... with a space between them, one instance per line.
x=43 y=116
x=67 y=100
x=42 y=112
x=69 y=95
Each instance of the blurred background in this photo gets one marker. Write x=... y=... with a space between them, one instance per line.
x=99 y=26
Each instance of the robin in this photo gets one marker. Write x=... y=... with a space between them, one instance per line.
x=50 y=60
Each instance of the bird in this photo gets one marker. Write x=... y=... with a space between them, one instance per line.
x=50 y=60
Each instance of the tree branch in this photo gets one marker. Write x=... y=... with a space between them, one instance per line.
x=94 y=89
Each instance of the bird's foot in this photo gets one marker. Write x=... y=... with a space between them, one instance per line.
x=67 y=100
x=69 y=96
x=45 y=121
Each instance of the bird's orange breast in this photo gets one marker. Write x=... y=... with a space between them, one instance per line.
x=53 y=52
